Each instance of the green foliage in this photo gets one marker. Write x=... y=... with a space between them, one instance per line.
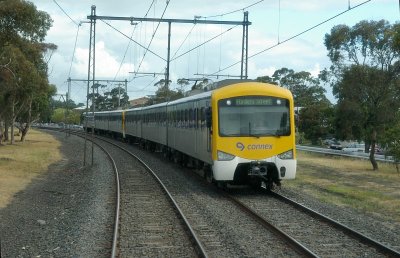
x=305 y=88
x=20 y=19
x=391 y=141
x=316 y=121
x=24 y=87
x=164 y=93
x=66 y=116
x=364 y=74
x=111 y=100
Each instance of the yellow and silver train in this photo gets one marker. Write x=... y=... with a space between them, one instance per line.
x=242 y=133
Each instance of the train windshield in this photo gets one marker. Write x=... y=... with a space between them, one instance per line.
x=254 y=116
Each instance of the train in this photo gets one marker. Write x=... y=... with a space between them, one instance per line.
x=239 y=133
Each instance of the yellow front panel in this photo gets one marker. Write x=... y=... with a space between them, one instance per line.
x=251 y=147
x=254 y=148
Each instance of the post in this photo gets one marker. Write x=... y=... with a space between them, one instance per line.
x=91 y=42
x=168 y=57
x=245 y=46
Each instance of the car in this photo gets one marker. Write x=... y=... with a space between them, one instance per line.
x=354 y=147
x=336 y=145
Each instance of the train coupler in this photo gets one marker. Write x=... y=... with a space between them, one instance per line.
x=258 y=168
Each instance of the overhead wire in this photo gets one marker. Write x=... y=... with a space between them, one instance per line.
x=73 y=52
x=130 y=38
x=77 y=24
x=129 y=42
x=235 y=11
x=205 y=42
x=151 y=40
x=294 y=36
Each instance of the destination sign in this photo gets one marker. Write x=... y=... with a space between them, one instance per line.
x=253 y=102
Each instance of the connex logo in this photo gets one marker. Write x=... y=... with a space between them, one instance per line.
x=240 y=146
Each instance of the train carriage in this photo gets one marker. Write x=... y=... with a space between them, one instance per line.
x=240 y=133
x=102 y=120
x=154 y=125
x=116 y=122
x=133 y=124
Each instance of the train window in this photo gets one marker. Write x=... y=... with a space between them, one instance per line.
x=203 y=116
x=195 y=117
x=186 y=118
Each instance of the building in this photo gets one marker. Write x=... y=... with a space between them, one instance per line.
x=139 y=102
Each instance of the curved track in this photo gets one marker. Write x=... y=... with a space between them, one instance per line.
x=192 y=235
x=314 y=231
x=362 y=238
x=374 y=247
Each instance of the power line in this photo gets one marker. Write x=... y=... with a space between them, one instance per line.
x=205 y=42
x=73 y=52
x=154 y=33
x=295 y=36
x=194 y=25
x=146 y=48
x=129 y=42
x=235 y=11
x=65 y=13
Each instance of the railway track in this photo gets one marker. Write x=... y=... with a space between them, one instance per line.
x=148 y=227
x=302 y=232
x=327 y=235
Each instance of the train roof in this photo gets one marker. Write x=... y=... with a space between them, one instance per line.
x=193 y=97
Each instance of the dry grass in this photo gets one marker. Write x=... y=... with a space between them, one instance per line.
x=350 y=182
x=22 y=162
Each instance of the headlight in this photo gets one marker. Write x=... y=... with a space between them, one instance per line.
x=286 y=155
x=222 y=156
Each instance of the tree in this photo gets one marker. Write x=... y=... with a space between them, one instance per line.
x=23 y=82
x=364 y=75
x=391 y=141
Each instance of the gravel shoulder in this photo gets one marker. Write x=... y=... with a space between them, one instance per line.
x=66 y=212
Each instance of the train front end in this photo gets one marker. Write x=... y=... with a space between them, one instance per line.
x=253 y=134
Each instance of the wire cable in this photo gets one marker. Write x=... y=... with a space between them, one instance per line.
x=154 y=33
x=238 y=10
x=65 y=13
x=130 y=38
x=194 y=25
x=294 y=36
x=129 y=42
x=73 y=52
x=205 y=42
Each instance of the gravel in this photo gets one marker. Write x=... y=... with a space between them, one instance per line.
x=66 y=212
x=387 y=232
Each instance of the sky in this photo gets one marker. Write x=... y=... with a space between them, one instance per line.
x=271 y=41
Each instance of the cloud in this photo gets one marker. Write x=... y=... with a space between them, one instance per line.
x=106 y=65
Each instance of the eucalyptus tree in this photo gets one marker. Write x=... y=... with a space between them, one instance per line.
x=364 y=75
x=23 y=83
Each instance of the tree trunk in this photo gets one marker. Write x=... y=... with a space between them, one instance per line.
x=1 y=132
x=25 y=128
x=12 y=123
x=6 y=127
x=372 y=152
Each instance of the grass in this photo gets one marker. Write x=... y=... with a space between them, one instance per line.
x=351 y=183
x=22 y=162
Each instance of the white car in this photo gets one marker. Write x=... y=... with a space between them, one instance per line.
x=354 y=147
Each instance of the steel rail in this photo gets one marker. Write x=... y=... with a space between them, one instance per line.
x=266 y=224
x=117 y=208
x=369 y=241
x=193 y=235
